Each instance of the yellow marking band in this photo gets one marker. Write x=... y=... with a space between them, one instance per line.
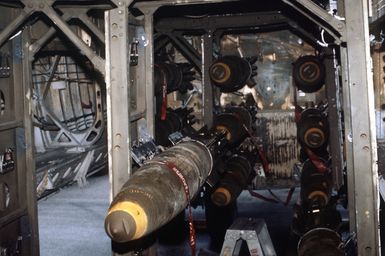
x=225 y=192
x=314 y=130
x=227 y=72
x=137 y=213
x=221 y=128
x=318 y=193
x=311 y=79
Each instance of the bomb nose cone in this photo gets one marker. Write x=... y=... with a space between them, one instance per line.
x=221 y=197
x=219 y=71
x=120 y=226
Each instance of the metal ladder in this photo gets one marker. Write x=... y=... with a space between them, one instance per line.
x=253 y=232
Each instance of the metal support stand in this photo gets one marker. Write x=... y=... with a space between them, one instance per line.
x=253 y=232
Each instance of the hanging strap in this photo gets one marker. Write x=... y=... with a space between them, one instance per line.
x=192 y=238
x=259 y=196
x=260 y=151
x=288 y=197
x=316 y=161
x=164 y=98
x=163 y=111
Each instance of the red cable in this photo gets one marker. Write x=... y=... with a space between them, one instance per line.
x=192 y=238
x=271 y=200
x=289 y=195
x=164 y=98
x=275 y=196
x=317 y=162
x=262 y=156
x=261 y=153
x=163 y=111
x=298 y=110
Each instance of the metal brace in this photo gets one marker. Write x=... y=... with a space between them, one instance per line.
x=46 y=7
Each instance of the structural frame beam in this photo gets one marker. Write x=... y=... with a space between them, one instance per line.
x=79 y=13
x=217 y=24
x=118 y=95
x=46 y=7
x=207 y=88
x=157 y=4
x=333 y=90
x=186 y=49
x=362 y=169
x=149 y=68
x=323 y=15
x=29 y=146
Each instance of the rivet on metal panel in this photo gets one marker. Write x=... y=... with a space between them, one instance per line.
x=120 y=12
x=114 y=25
x=118 y=135
x=363 y=136
x=114 y=37
x=366 y=148
x=350 y=137
x=116 y=147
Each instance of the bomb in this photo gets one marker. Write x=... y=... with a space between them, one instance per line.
x=231 y=73
x=158 y=191
x=237 y=173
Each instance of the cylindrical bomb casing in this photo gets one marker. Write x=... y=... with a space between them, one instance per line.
x=315 y=186
x=242 y=114
x=230 y=73
x=155 y=194
x=232 y=125
x=313 y=129
x=309 y=73
x=234 y=180
x=176 y=76
x=320 y=242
